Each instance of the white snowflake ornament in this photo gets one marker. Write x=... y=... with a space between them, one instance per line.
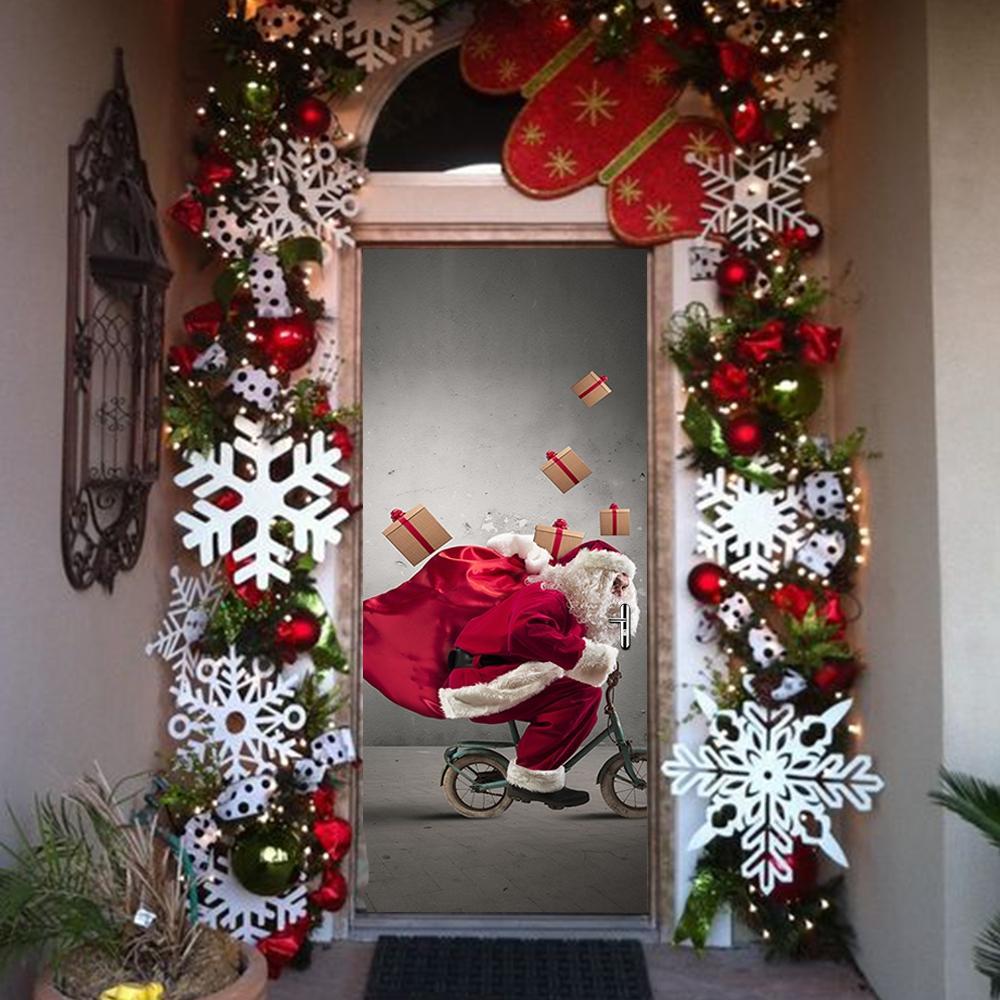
x=276 y=22
x=255 y=386
x=263 y=499
x=822 y=551
x=750 y=530
x=267 y=285
x=735 y=612
x=824 y=495
x=803 y=90
x=245 y=799
x=704 y=260
x=376 y=32
x=240 y=711
x=186 y=619
x=748 y=197
x=765 y=646
x=226 y=905
x=212 y=360
x=771 y=780
x=334 y=748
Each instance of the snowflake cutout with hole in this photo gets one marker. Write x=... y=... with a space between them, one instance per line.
x=771 y=780
x=376 y=32
x=263 y=500
x=750 y=530
x=302 y=188
x=185 y=621
x=748 y=197
x=227 y=906
x=239 y=710
x=801 y=89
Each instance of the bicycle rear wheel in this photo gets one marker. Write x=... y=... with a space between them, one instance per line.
x=619 y=791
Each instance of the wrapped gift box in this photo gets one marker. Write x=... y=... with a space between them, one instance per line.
x=416 y=534
x=592 y=388
x=616 y=520
x=565 y=468
x=556 y=538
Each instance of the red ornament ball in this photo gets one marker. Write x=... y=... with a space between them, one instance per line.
x=247 y=591
x=835 y=676
x=311 y=118
x=707 y=582
x=744 y=435
x=288 y=341
x=804 y=863
x=296 y=633
x=805 y=236
x=734 y=274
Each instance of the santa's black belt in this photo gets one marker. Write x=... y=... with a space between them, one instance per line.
x=461 y=658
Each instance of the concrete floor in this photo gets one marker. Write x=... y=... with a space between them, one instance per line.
x=675 y=973
x=425 y=858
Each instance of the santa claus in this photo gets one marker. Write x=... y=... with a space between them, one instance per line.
x=503 y=633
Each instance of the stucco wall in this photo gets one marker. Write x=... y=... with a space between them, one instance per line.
x=76 y=685
x=469 y=355
x=915 y=212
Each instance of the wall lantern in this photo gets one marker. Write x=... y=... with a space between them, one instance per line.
x=116 y=283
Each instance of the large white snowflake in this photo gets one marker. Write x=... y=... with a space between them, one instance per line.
x=802 y=89
x=185 y=621
x=747 y=197
x=771 y=779
x=376 y=32
x=248 y=917
x=750 y=530
x=264 y=498
x=302 y=188
x=240 y=711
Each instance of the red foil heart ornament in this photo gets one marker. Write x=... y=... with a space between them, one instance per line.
x=280 y=948
x=332 y=892
x=288 y=341
x=334 y=835
x=189 y=213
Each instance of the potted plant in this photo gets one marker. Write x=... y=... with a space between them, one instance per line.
x=99 y=896
x=977 y=802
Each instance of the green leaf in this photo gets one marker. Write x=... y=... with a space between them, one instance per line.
x=299 y=250
x=986 y=954
x=227 y=284
x=975 y=800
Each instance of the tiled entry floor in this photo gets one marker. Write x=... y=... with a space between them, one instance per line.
x=676 y=974
x=424 y=857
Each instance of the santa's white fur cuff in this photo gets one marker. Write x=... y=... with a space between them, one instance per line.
x=509 y=544
x=536 y=781
x=595 y=664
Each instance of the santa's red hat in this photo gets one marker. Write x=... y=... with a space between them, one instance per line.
x=597 y=554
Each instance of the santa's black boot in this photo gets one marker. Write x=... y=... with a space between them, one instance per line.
x=565 y=798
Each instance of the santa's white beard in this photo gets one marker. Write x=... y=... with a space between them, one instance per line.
x=591 y=600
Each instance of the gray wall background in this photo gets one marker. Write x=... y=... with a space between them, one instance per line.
x=469 y=355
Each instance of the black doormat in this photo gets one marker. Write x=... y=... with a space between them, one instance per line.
x=440 y=968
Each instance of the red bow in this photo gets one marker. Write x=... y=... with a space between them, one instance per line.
x=758 y=345
x=736 y=61
x=182 y=357
x=560 y=522
x=819 y=343
x=280 y=948
x=204 y=321
x=729 y=383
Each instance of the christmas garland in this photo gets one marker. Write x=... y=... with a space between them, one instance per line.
x=250 y=794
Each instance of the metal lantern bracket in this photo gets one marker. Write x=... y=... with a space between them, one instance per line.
x=116 y=285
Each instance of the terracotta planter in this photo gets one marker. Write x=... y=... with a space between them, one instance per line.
x=252 y=985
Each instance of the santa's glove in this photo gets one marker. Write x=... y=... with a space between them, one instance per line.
x=595 y=664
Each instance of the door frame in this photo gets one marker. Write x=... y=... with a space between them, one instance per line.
x=446 y=210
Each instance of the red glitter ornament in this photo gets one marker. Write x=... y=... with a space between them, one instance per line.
x=729 y=383
x=835 y=676
x=734 y=274
x=744 y=435
x=706 y=582
x=311 y=118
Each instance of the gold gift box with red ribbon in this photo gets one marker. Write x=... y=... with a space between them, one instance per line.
x=556 y=538
x=592 y=388
x=565 y=468
x=416 y=533
x=616 y=520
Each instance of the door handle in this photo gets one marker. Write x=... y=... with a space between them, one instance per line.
x=624 y=621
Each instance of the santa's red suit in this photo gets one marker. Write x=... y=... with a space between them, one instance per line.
x=537 y=631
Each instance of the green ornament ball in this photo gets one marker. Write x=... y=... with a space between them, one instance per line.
x=259 y=96
x=264 y=859
x=792 y=390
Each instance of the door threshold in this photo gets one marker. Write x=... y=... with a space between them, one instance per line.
x=366 y=927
